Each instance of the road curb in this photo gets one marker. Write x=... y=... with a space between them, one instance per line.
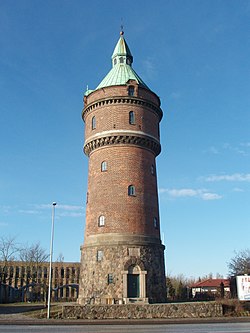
x=79 y=322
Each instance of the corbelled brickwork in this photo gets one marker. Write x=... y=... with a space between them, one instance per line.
x=122 y=256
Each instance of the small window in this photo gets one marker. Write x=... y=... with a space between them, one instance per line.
x=99 y=255
x=93 y=123
x=110 y=278
x=132 y=117
x=115 y=61
x=101 y=221
x=121 y=60
x=104 y=166
x=131 y=91
x=155 y=223
x=131 y=190
x=152 y=169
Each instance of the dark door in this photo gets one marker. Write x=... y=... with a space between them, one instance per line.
x=133 y=285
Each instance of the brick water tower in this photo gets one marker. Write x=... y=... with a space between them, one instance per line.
x=122 y=259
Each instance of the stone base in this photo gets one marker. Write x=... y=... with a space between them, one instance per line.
x=122 y=273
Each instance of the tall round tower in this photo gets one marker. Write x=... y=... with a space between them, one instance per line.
x=122 y=259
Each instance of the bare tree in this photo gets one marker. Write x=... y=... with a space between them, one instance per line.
x=8 y=248
x=60 y=258
x=33 y=256
x=240 y=263
x=8 y=251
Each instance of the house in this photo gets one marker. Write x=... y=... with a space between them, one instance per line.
x=211 y=288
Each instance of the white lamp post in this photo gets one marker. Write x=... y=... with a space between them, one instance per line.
x=50 y=259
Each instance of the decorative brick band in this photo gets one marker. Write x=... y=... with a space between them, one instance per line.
x=145 y=142
x=118 y=100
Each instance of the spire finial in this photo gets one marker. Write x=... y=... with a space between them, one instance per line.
x=121 y=32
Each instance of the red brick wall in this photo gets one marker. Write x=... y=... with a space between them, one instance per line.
x=121 y=91
x=127 y=164
x=116 y=117
x=108 y=191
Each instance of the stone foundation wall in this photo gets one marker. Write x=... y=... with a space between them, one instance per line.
x=94 y=285
x=147 y=311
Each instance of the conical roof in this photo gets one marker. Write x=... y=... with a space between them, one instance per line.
x=122 y=70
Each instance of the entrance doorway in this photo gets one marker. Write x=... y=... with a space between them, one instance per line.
x=133 y=285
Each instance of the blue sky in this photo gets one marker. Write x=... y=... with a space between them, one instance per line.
x=194 y=54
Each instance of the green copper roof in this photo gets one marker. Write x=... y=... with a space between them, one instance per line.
x=119 y=75
x=122 y=70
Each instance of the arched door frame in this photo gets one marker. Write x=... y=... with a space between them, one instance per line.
x=138 y=269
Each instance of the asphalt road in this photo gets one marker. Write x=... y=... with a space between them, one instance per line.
x=172 y=328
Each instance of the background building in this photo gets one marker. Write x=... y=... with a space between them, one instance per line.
x=22 y=281
x=211 y=288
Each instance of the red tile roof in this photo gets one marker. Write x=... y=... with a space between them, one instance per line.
x=211 y=283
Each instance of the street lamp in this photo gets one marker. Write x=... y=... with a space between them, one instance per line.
x=50 y=257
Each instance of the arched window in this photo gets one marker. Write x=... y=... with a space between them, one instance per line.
x=155 y=223
x=131 y=91
x=132 y=117
x=93 y=123
x=104 y=166
x=131 y=190
x=121 y=60
x=101 y=221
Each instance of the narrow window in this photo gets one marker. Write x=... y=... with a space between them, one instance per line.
x=131 y=91
x=45 y=272
x=93 y=123
x=155 y=223
x=121 y=60
x=101 y=221
x=99 y=255
x=115 y=61
x=104 y=166
x=152 y=169
x=110 y=278
x=67 y=273
x=131 y=117
x=17 y=272
x=131 y=190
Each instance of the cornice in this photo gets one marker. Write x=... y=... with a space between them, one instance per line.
x=123 y=139
x=120 y=132
x=119 y=100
